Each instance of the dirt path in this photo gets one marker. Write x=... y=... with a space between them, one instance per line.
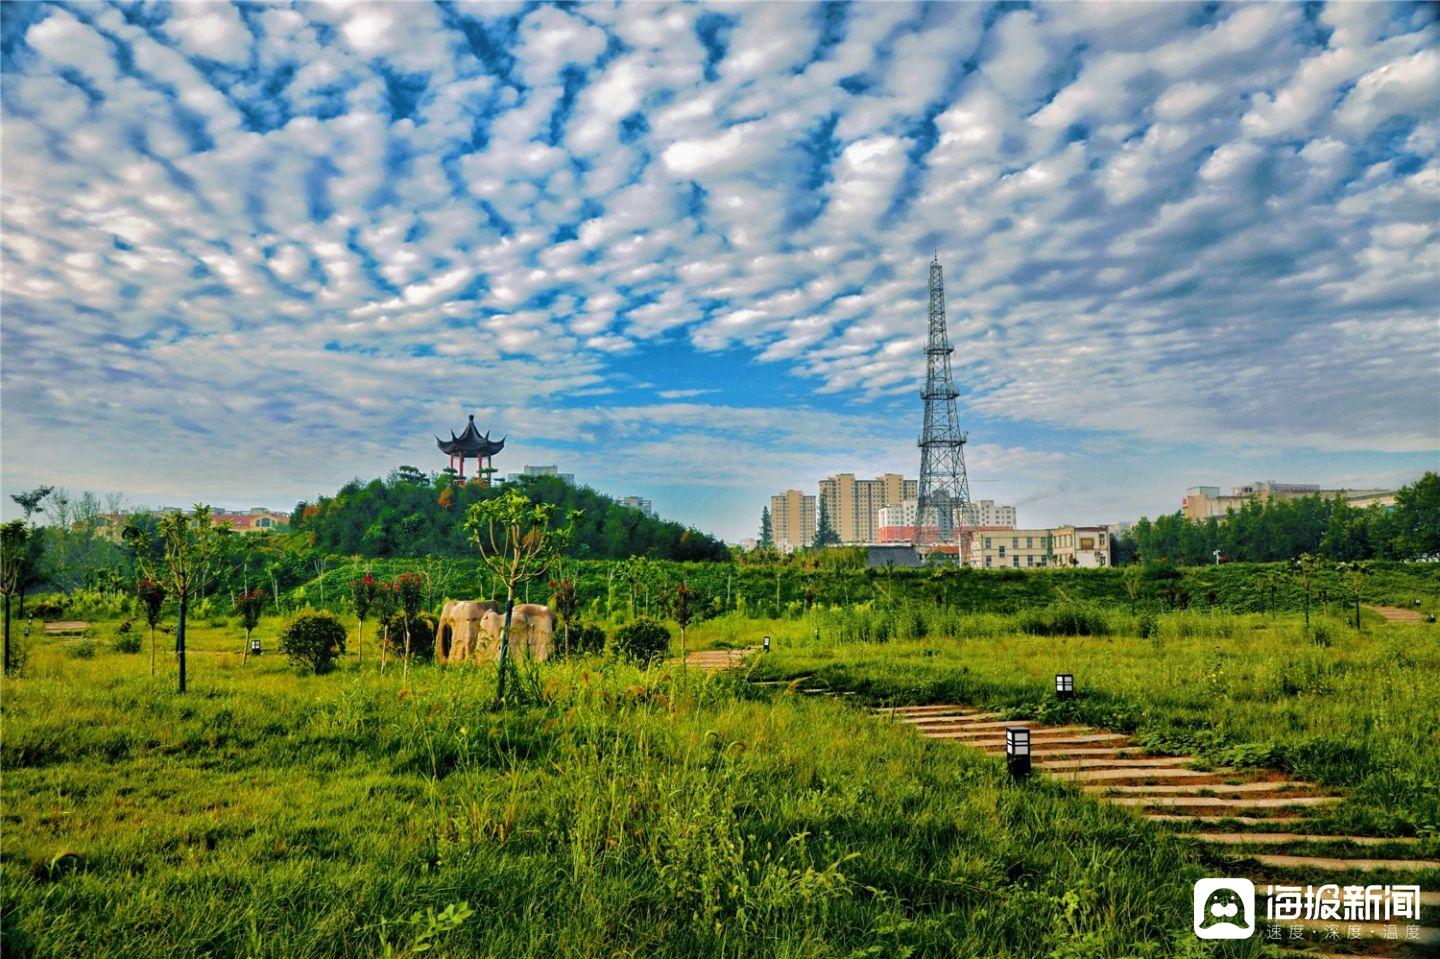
x=1398 y=614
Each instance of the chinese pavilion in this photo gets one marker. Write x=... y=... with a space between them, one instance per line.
x=472 y=444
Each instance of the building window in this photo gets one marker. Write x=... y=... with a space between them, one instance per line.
x=1015 y=561
x=987 y=562
x=1029 y=542
x=1042 y=561
x=1029 y=561
x=1015 y=542
x=1002 y=552
x=987 y=542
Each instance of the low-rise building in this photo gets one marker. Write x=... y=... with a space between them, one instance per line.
x=541 y=471
x=1059 y=546
x=636 y=502
x=1203 y=502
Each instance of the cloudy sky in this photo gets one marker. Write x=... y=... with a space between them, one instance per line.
x=253 y=251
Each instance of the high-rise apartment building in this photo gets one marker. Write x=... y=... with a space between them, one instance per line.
x=896 y=524
x=853 y=505
x=792 y=520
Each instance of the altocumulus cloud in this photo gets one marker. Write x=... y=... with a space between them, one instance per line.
x=251 y=250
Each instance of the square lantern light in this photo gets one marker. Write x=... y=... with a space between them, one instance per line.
x=766 y=644
x=254 y=647
x=1064 y=686
x=1017 y=751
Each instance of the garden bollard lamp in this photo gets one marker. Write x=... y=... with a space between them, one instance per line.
x=254 y=647
x=1064 y=686
x=1017 y=751
x=766 y=644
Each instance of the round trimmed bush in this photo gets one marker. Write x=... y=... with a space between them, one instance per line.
x=422 y=635
x=643 y=640
x=585 y=639
x=126 y=639
x=313 y=641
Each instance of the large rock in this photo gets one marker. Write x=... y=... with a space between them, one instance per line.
x=469 y=630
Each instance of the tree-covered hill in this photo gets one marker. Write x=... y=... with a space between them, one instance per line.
x=410 y=514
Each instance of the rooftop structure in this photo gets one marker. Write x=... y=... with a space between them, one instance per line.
x=472 y=445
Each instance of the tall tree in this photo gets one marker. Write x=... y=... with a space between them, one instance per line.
x=517 y=542
x=825 y=534
x=767 y=534
x=14 y=537
x=30 y=500
x=1415 y=521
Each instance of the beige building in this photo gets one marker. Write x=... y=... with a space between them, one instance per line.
x=1061 y=546
x=853 y=505
x=792 y=520
x=1203 y=502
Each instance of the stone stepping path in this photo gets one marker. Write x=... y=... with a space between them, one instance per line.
x=1205 y=806
x=1123 y=772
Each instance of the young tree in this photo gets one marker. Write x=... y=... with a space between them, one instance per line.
x=517 y=543
x=1354 y=575
x=386 y=602
x=363 y=594
x=191 y=541
x=562 y=598
x=825 y=534
x=409 y=589
x=151 y=594
x=684 y=611
x=767 y=536
x=1304 y=569
x=249 y=605
x=14 y=539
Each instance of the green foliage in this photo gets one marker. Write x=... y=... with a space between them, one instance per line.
x=642 y=640
x=126 y=640
x=586 y=639
x=825 y=535
x=767 y=533
x=313 y=641
x=409 y=514
x=1064 y=619
x=1269 y=531
x=422 y=635
x=83 y=648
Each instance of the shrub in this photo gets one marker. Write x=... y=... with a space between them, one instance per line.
x=1322 y=634
x=313 y=641
x=1065 y=619
x=1149 y=626
x=642 y=640
x=126 y=639
x=586 y=639
x=84 y=649
x=422 y=635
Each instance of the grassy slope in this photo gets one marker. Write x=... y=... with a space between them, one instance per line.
x=267 y=814
x=1362 y=713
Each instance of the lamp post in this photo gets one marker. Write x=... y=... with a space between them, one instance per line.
x=255 y=646
x=766 y=644
x=1017 y=751
x=1064 y=686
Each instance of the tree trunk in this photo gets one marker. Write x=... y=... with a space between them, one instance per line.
x=152 y=650
x=245 y=653
x=505 y=644
x=359 y=636
x=683 y=665
x=7 y=634
x=566 y=635
x=405 y=670
x=180 y=636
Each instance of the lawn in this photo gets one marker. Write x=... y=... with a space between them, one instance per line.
x=613 y=811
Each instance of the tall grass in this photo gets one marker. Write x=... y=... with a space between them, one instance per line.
x=1355 y=710
x=613 y=811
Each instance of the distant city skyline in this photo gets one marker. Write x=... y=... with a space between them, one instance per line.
x=251 y=252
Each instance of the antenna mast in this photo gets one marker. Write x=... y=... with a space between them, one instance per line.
x=944 y=488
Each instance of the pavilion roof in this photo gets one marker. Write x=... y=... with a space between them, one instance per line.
x=470 y=442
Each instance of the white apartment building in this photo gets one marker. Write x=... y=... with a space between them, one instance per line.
x=896 y=524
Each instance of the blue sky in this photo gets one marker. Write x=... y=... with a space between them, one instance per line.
x=253 y=251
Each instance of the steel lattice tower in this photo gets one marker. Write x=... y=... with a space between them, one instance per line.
x=944 y=487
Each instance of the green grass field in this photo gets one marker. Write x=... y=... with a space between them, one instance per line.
x=616 y=811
